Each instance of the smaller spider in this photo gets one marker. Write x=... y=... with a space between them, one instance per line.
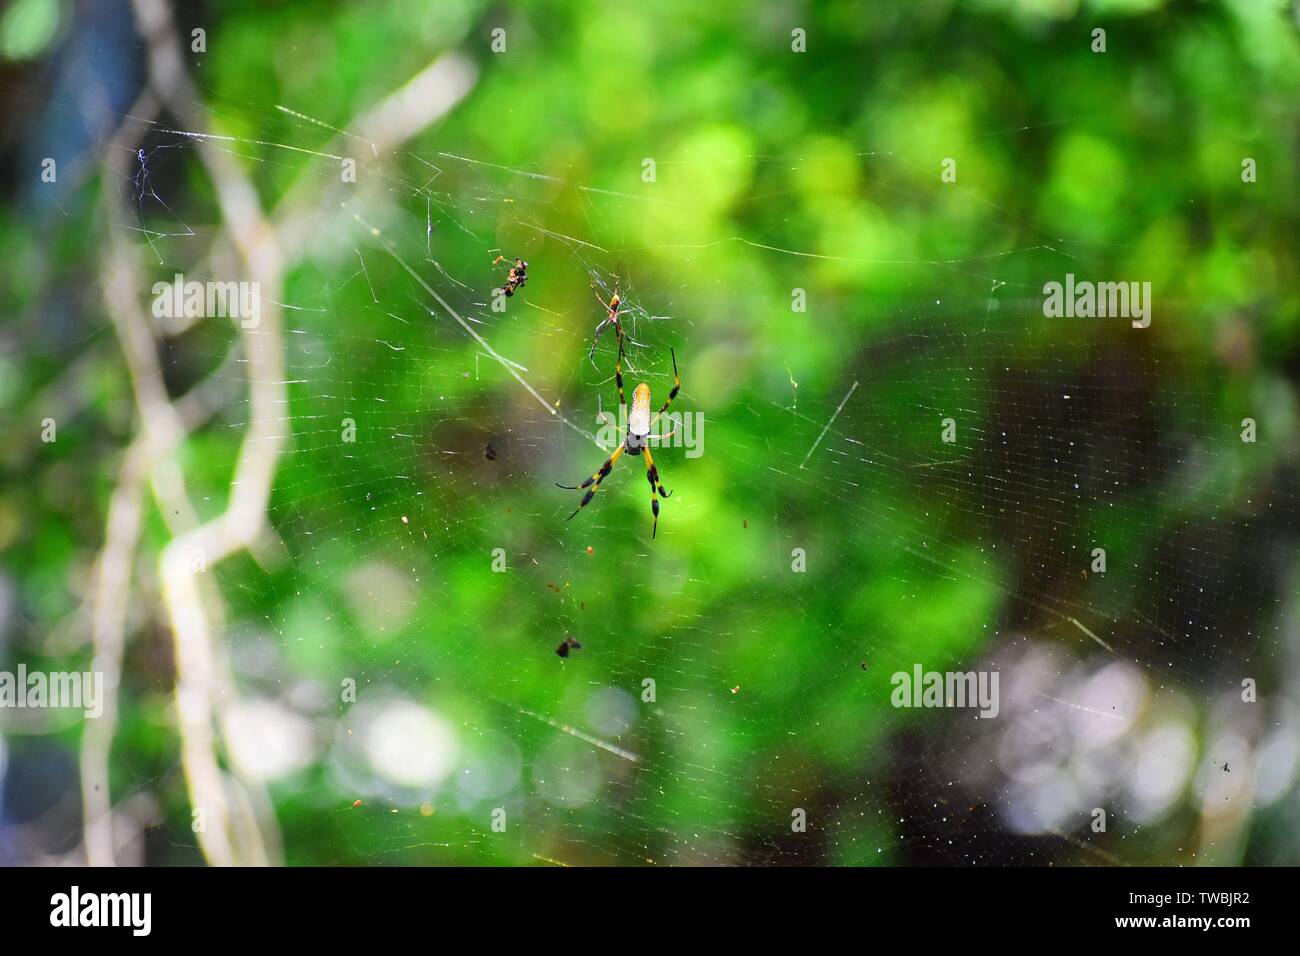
x=637 y=439
x=612 y=307
x=517 y=276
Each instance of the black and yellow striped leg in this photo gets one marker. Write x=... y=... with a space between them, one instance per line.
x=593 y=483
x=677 y=386
x=618 y=367
x=652 y=476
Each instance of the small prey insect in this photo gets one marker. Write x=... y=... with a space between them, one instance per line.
x=637 y=439
x=516 y=278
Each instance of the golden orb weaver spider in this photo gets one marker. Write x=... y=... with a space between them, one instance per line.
x=637 y=439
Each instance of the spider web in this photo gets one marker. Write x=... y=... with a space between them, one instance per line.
x=426 y=432
x=771 y=687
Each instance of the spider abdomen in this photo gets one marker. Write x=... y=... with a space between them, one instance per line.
x=638 y=417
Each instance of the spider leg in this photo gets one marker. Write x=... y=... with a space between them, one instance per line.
x=595 y=339
x=652 y=476
x=601 y=326
x=593 y=483
x=618 y=366
x=677 y=386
